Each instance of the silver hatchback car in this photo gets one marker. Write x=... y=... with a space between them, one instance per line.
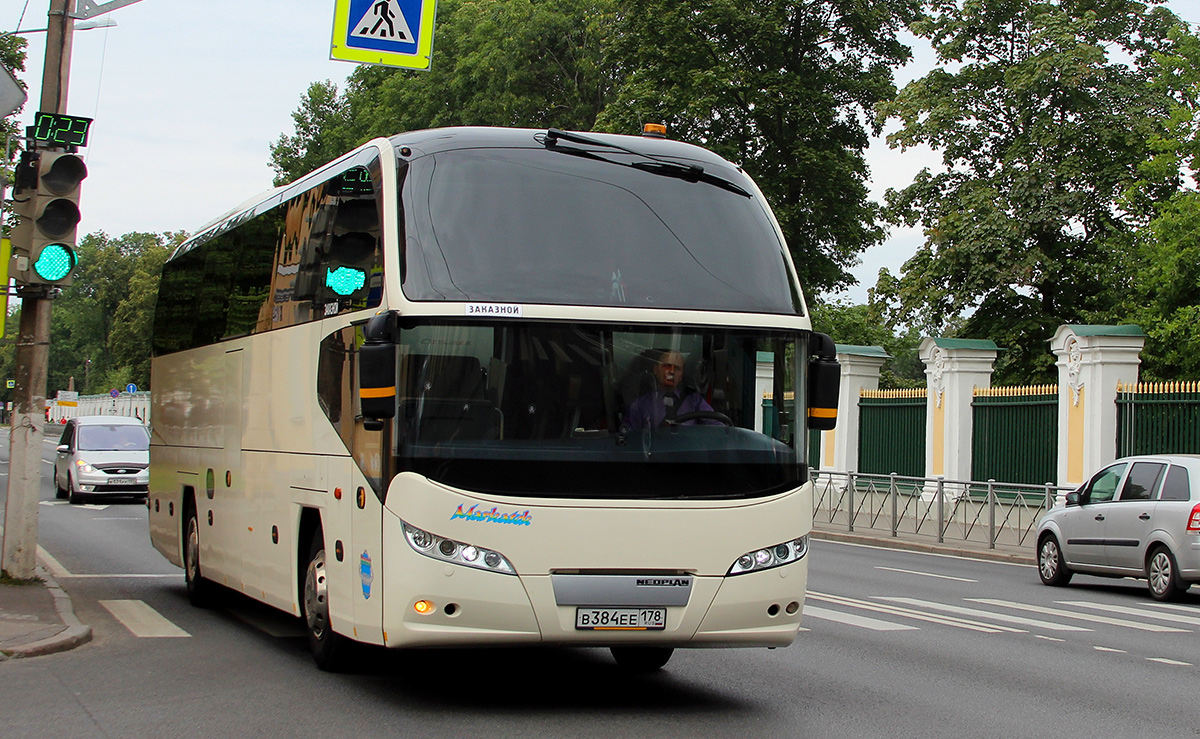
x=102 y=455
x=1137 y=517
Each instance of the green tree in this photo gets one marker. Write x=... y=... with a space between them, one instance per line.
x=1044 y=115
x=100 y=325
x=864 y=325
x=12 y=57
x=781 y=88
x=532 y=63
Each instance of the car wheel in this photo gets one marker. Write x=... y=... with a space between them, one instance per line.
x=200 y=591
x=1051 y=567
x=641 y=659
x=329 y=649
x=1163 y=575
x=73 y=497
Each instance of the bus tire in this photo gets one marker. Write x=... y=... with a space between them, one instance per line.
x=201 y=592
x=329 y=649
x=641 y=659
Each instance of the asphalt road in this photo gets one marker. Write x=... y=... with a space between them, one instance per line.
x=896 y=644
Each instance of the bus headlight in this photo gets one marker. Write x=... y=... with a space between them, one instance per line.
x=456 y=552
x=773 y=556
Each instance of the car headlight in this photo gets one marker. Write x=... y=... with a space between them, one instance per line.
x=84 y=466
x=456 y=552
x=773 y=556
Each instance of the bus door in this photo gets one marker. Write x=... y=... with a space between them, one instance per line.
x=222 y=533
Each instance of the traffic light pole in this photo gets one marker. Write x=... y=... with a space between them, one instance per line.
x=33 y=349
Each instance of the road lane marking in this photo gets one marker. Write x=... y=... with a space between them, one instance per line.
x=924 y=574
x=1079 y=616
x=1174 y=607
x=986 y=614
x=918 y=615
x=114 y=576
x=142 y=620
x=1108 y=649
x=52 y=564
x=1165 y=661
x=849 y=619
x=1126 y=610
x=117 y=518
x=1048 y=638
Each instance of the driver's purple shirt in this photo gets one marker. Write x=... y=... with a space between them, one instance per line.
x=651 y=410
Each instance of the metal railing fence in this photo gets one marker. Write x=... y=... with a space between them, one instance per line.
x=998 y=513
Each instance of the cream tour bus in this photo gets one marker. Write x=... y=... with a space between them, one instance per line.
x=482 y=386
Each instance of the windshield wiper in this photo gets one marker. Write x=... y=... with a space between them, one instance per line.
x=657 y=165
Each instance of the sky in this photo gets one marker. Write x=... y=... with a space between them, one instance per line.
x=187 y=98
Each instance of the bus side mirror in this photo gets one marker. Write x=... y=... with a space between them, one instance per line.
x=377 y=370
x=824 y=381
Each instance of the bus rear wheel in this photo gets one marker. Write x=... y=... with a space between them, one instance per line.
x=641 y=659
x=329 y=649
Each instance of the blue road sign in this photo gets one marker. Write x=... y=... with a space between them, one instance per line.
x=394 y=33
x=114 y=393
x=131 y=388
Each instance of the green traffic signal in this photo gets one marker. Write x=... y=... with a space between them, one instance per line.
x=55 y=262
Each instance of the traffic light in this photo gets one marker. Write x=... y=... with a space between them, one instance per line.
x=46 y=197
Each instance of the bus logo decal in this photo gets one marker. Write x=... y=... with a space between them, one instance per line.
x=364 y=572
x=475 y=513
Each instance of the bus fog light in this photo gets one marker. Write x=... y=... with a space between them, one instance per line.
x=423 y=607
x=491 y=559
x=772 y=556
x=448 y=548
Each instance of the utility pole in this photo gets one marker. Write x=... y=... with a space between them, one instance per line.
x=33 y=347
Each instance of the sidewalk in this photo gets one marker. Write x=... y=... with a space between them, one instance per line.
x=38 y=619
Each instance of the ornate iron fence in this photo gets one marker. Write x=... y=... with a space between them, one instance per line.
x=1015 y=436
x=1158 y=418
x=891 y=431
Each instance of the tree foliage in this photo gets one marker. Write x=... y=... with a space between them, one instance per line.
x=864 y=325
x=106 y=315
x=1044 y=117
x=497 y=63
x=780 y=88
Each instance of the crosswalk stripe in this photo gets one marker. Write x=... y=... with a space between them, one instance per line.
x=1171 y=617
x=853 y=620
x=1174 y=607
x=1007 y=618
x=1075 y=615
x=141 y=619
x=918 y=615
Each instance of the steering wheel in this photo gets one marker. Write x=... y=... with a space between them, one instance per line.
x=701 y=415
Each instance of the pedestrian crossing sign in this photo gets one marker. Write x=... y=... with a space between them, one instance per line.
x=393 y=33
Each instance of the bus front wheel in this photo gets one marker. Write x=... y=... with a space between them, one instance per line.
x=200 y=591
x=641 y=659
x=328 y=647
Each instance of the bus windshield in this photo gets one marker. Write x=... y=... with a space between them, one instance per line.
x=556 y=410
x=534 y=225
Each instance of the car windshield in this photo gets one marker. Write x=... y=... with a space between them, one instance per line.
x=114 y=438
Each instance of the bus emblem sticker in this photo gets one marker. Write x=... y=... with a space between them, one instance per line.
x=364 y=571
x=494 y=515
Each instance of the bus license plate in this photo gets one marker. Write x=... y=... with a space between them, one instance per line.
x=121 y=480
x=621 y=619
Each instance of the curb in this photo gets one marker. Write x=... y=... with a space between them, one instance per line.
x=73 y=634
x=915 y=546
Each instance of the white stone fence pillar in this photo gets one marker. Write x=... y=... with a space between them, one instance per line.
x=1092 y=360
x=954 y=368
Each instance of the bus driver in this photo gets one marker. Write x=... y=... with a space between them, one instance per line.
x=667 y=401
